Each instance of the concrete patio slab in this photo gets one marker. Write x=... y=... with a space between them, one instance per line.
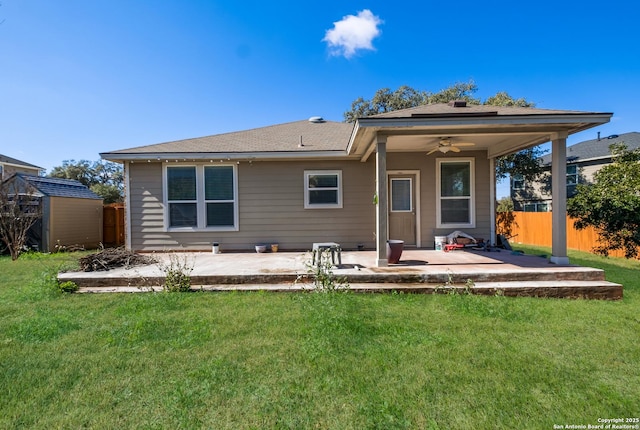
x=422 y=271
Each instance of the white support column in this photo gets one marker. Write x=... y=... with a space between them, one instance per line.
x=559 y=198
x=492 y=201
x=127 y=205
x=382 y=208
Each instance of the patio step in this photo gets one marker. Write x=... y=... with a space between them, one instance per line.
x=379 y=277
x=602 y=290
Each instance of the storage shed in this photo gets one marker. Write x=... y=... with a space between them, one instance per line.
x=71 y=213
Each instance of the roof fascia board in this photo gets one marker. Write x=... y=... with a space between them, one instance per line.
x=594 y=118
x=229 y=156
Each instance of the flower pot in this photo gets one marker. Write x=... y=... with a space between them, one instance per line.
x=261 y=248
x=274 y=247
x=394 y=250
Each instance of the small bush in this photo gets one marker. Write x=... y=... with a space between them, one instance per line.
x=68 y=287
x=324 y=280
x=177 y=272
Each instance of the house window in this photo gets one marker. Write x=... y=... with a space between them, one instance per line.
x=536 y=207
x=201 y=197
x=322 y=189
x=455 y=193
x=219 y=195
x=182 y=196
x=517 y=182
x=572 y=175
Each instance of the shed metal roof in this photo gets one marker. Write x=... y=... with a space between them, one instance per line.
x=56 y=187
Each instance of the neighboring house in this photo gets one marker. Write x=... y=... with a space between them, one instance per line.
x=412 y=175
x=9 y=166
x=583 y=160
x=71 y=213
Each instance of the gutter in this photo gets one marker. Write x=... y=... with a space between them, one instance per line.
x=225 y=156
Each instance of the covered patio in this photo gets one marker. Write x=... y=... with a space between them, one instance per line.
x=419 y=271
x=491 y=131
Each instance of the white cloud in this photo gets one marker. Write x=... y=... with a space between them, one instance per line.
x=353 y=33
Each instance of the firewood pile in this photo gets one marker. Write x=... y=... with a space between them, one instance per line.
x=112 y=258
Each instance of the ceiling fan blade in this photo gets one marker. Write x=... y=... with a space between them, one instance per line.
x=432 y=151
x=463 y=144
x=454 y=149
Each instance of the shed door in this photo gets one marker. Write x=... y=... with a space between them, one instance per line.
x=402 y=212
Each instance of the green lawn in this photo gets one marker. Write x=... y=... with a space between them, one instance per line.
x=339 y=361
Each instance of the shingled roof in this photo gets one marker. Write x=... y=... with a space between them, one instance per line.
x=316 y=135
x=449 y=109
x=56 y=187
x=16 y=162
x=597 y=148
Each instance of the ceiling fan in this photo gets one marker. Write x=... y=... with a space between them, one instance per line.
x=445 y=145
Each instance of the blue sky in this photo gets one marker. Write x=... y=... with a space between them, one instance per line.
x=80 y=77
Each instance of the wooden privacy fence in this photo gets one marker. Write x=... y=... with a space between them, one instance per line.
x=534 y=228
x=113 y=225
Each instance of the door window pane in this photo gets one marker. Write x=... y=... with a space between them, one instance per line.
x=401 y=195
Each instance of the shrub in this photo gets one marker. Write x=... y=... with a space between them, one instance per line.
x=177 y=272
x=68 y=287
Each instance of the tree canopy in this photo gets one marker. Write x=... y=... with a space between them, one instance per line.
x=611 y=204
x=104 y=178
x=525 y=162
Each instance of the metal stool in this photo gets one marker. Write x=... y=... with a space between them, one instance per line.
x=332 y=247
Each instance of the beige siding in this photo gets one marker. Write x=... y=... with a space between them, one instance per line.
x=271 y=206
x=75 y=222
x=271 y=209
x=428 y=192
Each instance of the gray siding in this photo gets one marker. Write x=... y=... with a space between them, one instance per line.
x=428 y=191
x=271 y=209
x=271 y=206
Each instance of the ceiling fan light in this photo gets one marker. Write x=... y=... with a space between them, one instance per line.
x=444 y=149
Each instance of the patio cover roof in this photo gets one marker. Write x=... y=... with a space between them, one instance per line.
x=498 y=130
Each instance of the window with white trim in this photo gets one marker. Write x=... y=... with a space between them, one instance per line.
x=201 y=197
x=572 y=175
x=322 y=189
x=455 y=193
x=517 y=182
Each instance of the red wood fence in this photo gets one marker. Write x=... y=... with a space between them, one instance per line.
x=113 y=225
x=534 y=228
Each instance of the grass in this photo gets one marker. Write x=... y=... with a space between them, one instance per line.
x=337 y=361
